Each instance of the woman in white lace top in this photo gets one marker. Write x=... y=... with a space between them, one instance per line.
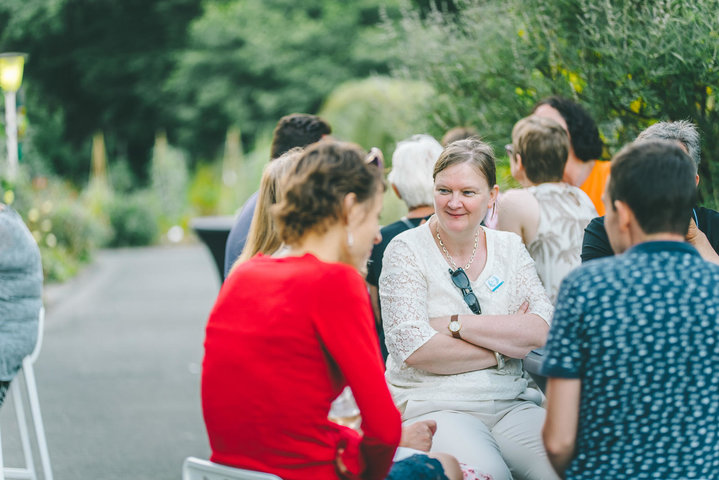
x=455 y=354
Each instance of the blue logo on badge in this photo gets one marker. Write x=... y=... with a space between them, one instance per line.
x=494 y=283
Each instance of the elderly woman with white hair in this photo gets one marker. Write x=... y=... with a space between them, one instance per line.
x=411 y=179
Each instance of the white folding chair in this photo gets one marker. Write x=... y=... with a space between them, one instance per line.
x=198 y=469
x=31 y=389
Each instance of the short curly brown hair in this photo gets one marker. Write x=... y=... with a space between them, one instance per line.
x=314 y=189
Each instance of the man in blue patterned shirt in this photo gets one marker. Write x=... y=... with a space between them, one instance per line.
x=633 y=351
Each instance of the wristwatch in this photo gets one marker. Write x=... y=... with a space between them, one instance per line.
x=454 y=326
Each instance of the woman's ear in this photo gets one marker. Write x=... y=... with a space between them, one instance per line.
x=516 y=168
x=350 y=208
x=520 y=163
x=493 y=194
x=396 y=192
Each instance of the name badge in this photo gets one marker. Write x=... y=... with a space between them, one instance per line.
x=494 y=283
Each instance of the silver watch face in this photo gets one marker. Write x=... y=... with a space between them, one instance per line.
x=454 y=326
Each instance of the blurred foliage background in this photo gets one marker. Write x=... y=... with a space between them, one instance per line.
x=630 y=63
x=137 y=116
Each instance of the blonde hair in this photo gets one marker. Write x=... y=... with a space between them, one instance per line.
x=263 y=236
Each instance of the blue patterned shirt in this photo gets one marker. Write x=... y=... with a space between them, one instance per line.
x=641 y=331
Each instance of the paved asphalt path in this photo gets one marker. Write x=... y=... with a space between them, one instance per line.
x=119 y=372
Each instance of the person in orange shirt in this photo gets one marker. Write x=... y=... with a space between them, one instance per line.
x=583 y=170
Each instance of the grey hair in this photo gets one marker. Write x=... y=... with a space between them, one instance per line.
x=412 y=166
x=682 y=131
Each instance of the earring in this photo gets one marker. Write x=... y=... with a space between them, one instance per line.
x=350 y=239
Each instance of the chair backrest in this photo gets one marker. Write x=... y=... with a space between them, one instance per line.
x=40 y=333
x=198 y=469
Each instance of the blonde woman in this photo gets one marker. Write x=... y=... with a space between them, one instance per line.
x=263 y=237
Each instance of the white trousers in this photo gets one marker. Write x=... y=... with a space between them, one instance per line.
x=499 y=437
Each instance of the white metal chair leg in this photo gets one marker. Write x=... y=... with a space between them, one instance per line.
x=24 y=432
x=29 y=373
x=2 y=462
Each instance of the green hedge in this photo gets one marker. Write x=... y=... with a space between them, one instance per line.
x=133 y=220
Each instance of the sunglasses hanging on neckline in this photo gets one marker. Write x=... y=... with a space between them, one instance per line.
x=461 y=281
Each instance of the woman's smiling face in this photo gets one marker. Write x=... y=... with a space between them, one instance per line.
x=462 y=198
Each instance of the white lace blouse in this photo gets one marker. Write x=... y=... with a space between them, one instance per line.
x=415 y=286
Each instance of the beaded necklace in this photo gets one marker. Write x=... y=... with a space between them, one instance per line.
x=449 y=257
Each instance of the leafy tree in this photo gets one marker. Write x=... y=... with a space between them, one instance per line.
x=445 y=6
x=636 y=63
x=126 y=68
x=630 y=62
x=471 y=61
x=96 y=65
x=251 y=61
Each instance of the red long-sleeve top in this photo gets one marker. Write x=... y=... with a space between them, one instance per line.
x=285 y=336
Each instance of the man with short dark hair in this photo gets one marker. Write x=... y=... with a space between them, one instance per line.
x=632 y=390
x=295 y=130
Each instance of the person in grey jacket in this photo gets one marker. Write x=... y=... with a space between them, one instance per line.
x=20 y=294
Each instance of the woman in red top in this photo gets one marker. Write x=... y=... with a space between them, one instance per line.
x=286 y=335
